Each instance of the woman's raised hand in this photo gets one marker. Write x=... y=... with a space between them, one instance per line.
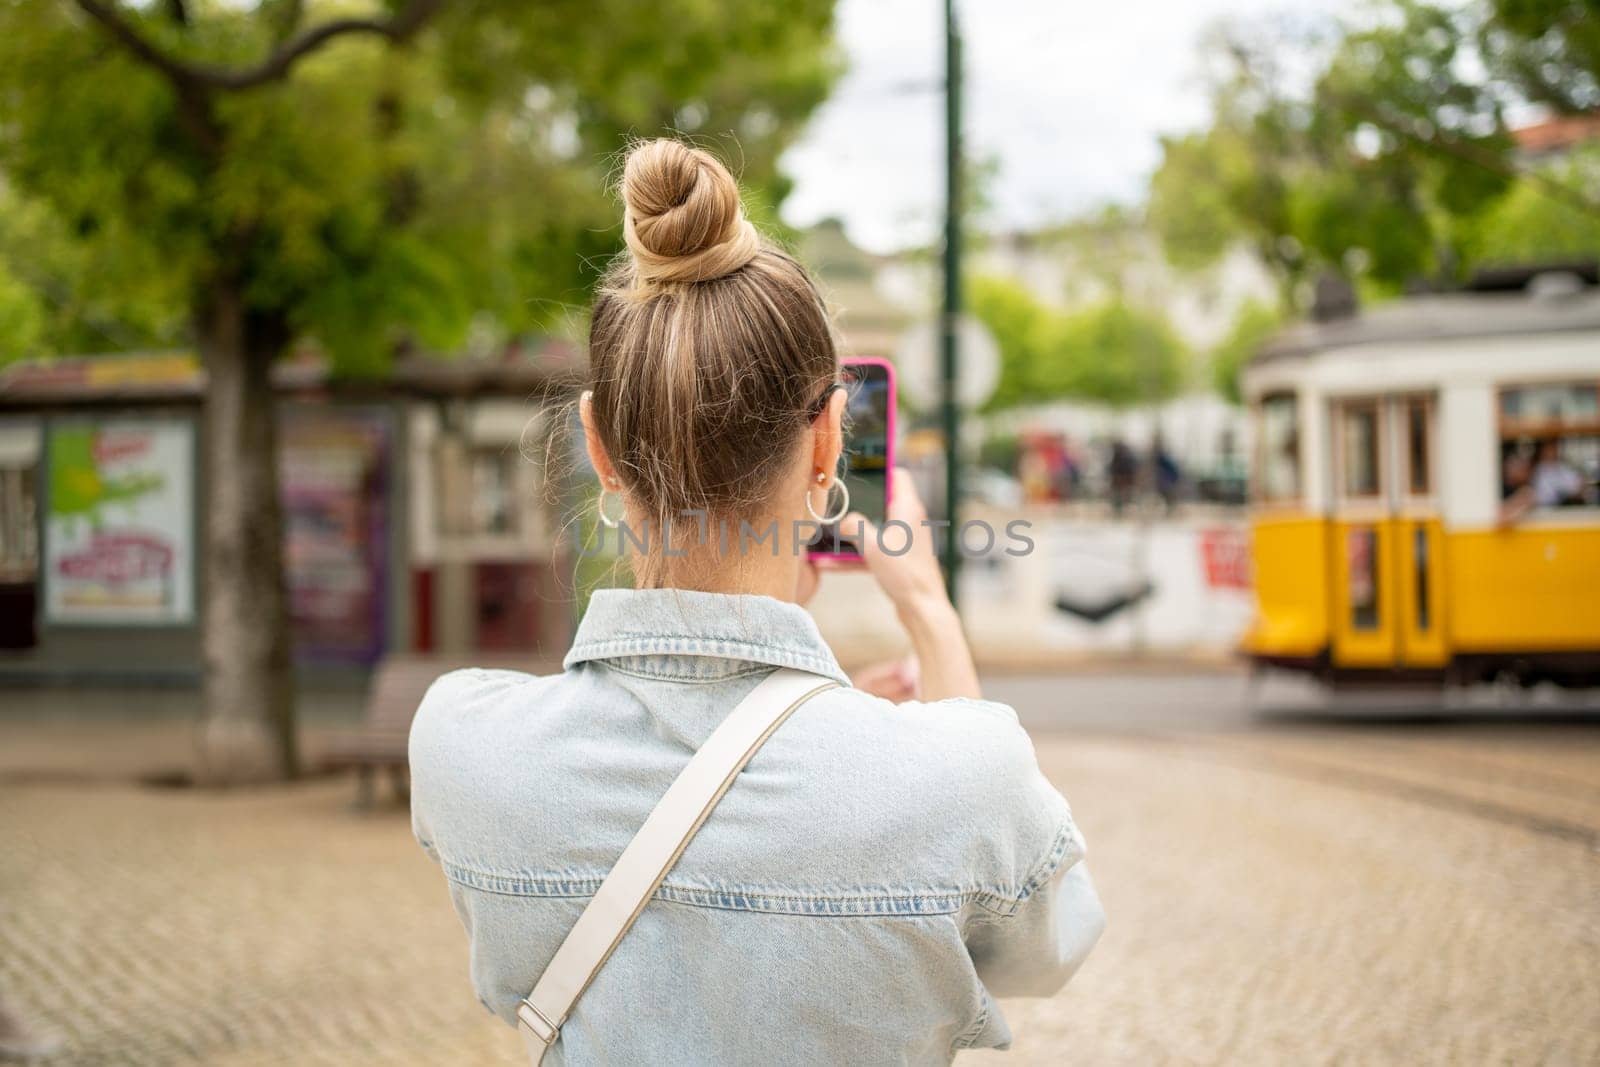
x=902 y=559
x=896 y=680
x=911 y=578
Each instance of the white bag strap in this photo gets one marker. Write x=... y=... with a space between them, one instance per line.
x=643 y=865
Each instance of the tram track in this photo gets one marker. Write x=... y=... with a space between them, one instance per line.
x=1254 y=753
x=1471 y=763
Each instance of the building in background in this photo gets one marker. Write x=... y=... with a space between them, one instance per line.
x=420 y=512
x=1070 y=267
x=1076 y=266
x=1554 y=139
x=870 y=320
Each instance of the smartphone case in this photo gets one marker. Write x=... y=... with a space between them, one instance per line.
x=846 y=559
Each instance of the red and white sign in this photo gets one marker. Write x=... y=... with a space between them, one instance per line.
x=1225 y=554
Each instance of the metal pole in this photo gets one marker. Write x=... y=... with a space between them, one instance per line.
x=949 y=349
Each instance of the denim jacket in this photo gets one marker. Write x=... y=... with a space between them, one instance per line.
x=876 y=876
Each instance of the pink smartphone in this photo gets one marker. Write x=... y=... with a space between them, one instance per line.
x=869 y=454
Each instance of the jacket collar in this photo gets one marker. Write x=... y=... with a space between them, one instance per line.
x=689 y=635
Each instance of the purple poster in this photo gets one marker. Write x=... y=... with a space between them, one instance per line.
x=335 y=482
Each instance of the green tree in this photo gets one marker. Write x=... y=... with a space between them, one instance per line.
x=21 y=317
x=1119 y=354
x=1196 y=196
x=247 y=176
x=1022 y=329
x=82 y=302
x=1112 y=352
x=1232 y=184
x=1415 y=146
x=1252 y=325
x=1528 y=224
x=1548 y=49
x=1386 y=168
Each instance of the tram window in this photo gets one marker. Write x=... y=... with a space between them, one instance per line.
x=1534 y=407
x=1549 y=447
x=1418 y=473
x=1361 y=548
x=1419 y=555
x=1280 y=447
x=1550 y=472
x=1358 y=435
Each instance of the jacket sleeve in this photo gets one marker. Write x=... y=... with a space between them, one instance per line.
x=1036 y=915
x=1036 y=949
x=1037 y=933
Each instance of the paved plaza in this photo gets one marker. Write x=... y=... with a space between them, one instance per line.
x=1288 y=890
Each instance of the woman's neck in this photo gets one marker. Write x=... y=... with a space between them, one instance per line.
x=735 y=565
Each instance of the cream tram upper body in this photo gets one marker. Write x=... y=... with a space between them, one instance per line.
x=1389 y=448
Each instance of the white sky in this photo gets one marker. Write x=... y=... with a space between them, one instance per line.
x=1069 y=94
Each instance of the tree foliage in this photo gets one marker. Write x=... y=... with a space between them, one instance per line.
x=1023 y=330
x=1112 y=352
x=1548 y=49
x=21 y=317
x=366 y=178
x=1529 y=225
x=372 y=194
x=1388 y=165
x=1252 y=325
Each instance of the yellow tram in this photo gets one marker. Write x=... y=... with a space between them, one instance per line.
x=1425 y=497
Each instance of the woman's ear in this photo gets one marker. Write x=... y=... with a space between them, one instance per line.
x=827 y=435
x=595 y=447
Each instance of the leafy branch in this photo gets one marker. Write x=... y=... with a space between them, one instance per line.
x=396 y=28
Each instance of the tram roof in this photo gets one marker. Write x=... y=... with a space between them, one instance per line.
x=1442 y=317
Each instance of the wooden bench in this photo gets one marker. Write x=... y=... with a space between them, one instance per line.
x=398 y=686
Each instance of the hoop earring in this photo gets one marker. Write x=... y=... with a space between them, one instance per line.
x=600 y=507
x=844 y=505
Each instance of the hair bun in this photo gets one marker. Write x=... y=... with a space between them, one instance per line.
x=682 y=219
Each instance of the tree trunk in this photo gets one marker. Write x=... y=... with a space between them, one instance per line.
x=247 y=733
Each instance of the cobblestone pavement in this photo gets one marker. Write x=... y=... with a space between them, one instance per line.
x=1277 y=894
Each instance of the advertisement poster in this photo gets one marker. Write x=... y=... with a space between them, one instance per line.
x=334 y=471
x=1225 y=554
x=119 y=530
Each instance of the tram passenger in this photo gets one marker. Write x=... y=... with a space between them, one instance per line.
x=1550 y=483
x=1516 y=469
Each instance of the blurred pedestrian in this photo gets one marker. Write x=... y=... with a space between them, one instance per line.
x=1169 y=476
x=1071 y=473
x=1122 y=472
x=1033 y=469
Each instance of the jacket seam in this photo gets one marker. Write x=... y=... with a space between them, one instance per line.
x=727 y=650
x=1065 y=839
x=723 y=648
x=967 y=1037
x=687 y=676
x=937 y=902
x=657 y=638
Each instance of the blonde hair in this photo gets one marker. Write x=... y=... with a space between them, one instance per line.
x=709 y=347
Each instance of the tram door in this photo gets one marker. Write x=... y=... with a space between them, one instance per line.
x=1388 y=542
